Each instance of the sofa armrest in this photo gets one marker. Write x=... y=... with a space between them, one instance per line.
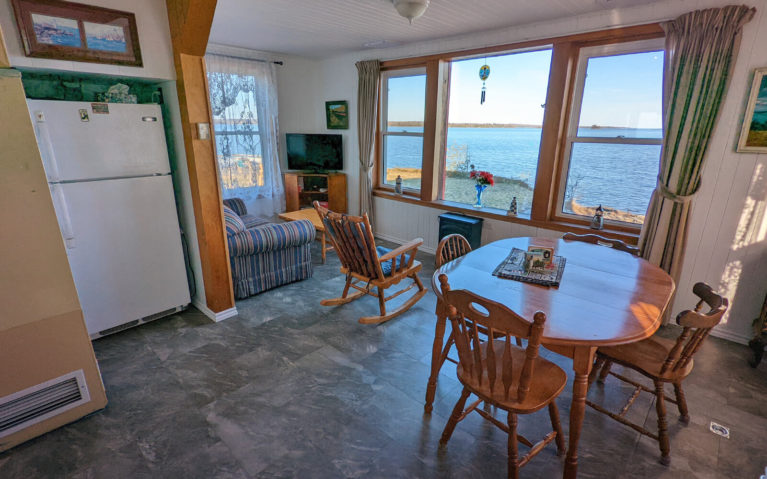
x=270 y=237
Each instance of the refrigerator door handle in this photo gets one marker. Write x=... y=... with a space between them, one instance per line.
x=46 y=147
x=62 y=211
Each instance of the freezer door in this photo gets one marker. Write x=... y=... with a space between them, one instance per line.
x=129 y=140
x=126 y=255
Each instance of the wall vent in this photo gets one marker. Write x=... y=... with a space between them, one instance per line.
x=45 y=400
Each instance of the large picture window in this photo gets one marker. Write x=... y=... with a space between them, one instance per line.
x=501 y=135
x=615 y=134
x=567 y=124
x=402 y=122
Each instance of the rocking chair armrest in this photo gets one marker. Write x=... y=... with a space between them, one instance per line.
x=410 y=245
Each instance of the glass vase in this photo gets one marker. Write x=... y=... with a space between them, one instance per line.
x=480 y=190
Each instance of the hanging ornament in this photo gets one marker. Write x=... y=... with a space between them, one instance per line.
x=484 y=73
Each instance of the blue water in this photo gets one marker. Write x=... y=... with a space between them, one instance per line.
x=106 y=45
x=64 y=36
x=617 y=176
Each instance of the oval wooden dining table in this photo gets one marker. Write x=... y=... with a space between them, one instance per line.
x=606 y=297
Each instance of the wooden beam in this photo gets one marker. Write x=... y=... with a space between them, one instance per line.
x=622 y=34
x=190 y=22
x=437 y=77
x=563 y=58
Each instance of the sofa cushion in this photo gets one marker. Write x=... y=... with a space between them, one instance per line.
x=233 y=222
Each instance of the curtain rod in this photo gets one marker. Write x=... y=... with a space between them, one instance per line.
x=276 y=62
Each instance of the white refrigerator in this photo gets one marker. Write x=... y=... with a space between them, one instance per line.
x=109 y=176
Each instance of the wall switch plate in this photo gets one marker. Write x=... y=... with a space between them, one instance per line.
x=203 y=131
x=719 y=430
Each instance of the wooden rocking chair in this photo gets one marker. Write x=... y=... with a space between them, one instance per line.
x=367 y=266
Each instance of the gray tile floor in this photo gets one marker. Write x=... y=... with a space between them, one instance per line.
x=293 y=389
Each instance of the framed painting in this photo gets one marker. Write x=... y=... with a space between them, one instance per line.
x=337 y=115
x=753 y=136
x=76 y=32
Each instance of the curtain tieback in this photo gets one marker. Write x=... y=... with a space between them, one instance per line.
x=663 y=190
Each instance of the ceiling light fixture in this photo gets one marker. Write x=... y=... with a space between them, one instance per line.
x=411 y=9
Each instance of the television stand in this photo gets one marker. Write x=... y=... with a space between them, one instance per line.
x=303 y=188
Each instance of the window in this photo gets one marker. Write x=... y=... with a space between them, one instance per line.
x=501 y=135
x=235 y=127
x=568 y=124
x=402 y=122
x=614 y=140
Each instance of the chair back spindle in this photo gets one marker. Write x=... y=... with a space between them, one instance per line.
x=352 y=238
x=488 y=368
x=696 y=327
x=451 y=247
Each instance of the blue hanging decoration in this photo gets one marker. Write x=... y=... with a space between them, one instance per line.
x=484 y=73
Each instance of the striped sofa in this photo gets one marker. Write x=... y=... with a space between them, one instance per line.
x=268 y=255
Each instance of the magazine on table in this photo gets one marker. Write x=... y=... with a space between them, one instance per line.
x=537 y=265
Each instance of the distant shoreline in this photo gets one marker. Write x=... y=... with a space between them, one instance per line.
x=508 y=125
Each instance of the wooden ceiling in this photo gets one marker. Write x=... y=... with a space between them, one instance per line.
x=324 y=28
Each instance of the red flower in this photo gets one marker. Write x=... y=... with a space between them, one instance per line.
x=482 y=177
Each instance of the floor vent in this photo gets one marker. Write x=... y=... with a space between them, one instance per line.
x=159 y=315
x=38 y=403
x=119 y=328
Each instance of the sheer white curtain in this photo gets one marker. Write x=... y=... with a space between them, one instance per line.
x=243 y=98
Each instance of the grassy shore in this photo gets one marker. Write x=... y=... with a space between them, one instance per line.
x=460 y=189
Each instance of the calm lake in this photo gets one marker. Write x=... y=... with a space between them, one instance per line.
x=619 y=176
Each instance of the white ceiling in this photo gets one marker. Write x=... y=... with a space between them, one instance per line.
x=324 y=28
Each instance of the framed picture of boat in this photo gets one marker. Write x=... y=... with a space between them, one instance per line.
x=337 y=115
x=77 y=32
x=753 y=136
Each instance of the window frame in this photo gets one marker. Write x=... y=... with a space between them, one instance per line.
x=383 y=132
x=556 y=123
x=576 y=105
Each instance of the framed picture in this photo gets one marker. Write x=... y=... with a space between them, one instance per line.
x=753 y=136
x=337 y=114
x=73 y=31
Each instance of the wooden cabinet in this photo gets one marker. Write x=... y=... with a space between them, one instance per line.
x=303 y=188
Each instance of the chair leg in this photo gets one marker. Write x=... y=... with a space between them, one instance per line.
x=660 y=407
x=560 y=439
x=382 y=301
x=513 y=447
x=681 y=403
x=605 y=371
x=595 y=370
x=347 y=286
x=454 y=417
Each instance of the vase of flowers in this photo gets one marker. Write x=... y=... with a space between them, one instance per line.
x=483 y=179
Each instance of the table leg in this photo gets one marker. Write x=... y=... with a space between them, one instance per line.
x=583 y=358
x=322 y=239
x=436 y=354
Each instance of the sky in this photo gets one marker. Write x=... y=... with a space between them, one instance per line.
x=623 y=91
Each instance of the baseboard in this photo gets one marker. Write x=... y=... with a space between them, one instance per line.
x=220 y=316
x=730 y=336
x=386 y=237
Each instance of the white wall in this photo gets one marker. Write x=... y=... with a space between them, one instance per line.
x=726 y=247
x=153 y=34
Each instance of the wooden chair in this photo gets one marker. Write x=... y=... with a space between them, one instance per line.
x=602 y=241
x=451 y=247
x=663 y=361
x=367 y=266
x=500 y=373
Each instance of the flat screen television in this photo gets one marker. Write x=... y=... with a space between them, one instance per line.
x=314 y=152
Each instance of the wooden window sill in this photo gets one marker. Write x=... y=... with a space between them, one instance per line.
x=500 y=215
